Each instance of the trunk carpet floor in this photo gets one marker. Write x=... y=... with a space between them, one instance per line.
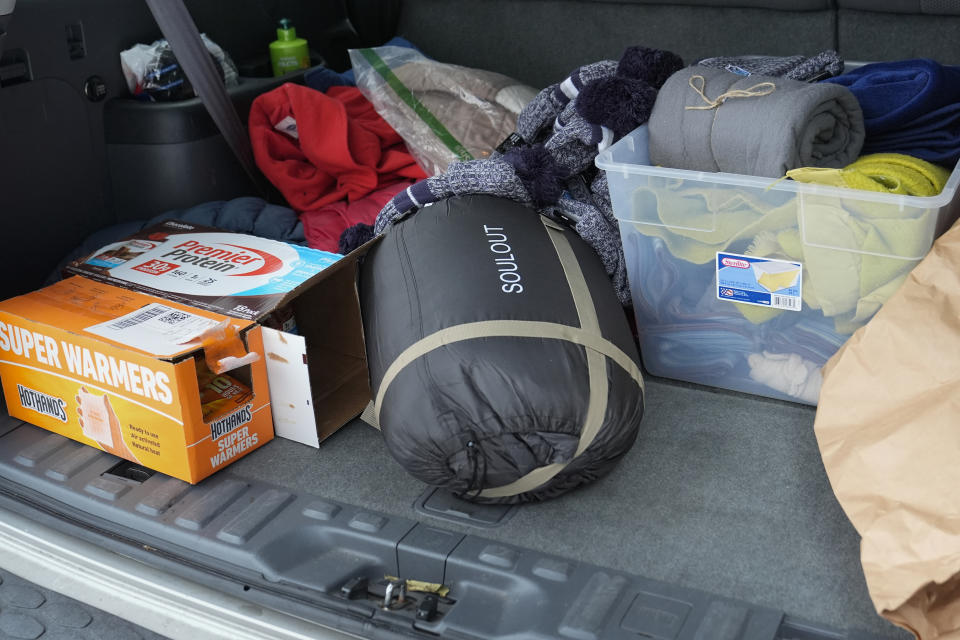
x=722 y=492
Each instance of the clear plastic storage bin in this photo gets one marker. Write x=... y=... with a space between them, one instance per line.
x=751 y=284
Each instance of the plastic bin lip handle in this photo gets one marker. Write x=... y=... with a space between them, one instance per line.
x=625 y=148
x=944 y=198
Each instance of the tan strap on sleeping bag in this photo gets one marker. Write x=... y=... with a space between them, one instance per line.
x=587 y=335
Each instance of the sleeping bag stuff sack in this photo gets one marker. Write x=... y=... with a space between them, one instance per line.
x=501 y=362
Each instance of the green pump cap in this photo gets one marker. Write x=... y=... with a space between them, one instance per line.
x=286 y=32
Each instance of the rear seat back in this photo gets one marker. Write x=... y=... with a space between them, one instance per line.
x=539 y=41
x=896 y=29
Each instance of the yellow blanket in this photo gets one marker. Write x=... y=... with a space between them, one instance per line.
x=885 y=172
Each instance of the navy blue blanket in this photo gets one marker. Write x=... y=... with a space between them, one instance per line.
x=242 y=215
x=910 y=107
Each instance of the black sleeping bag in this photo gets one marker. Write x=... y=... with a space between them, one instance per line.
x=501 y=362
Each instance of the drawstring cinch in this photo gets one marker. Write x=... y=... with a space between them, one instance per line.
x=757 y=90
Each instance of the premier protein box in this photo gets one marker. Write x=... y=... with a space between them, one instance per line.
x=305 y=300
x=234 y=274
x=137 y=376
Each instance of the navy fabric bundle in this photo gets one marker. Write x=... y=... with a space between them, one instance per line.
x=241 y=215
x=910 y=107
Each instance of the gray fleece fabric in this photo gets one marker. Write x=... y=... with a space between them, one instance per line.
x=795 y=124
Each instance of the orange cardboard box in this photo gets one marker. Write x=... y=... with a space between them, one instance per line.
x=118 y=370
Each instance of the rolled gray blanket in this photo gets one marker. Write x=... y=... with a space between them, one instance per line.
x=708 y=119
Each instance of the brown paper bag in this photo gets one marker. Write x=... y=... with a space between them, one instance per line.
x=888 y=426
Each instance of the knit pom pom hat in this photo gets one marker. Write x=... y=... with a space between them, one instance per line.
x=534 y=121
x=652 y=66
x=602 y=111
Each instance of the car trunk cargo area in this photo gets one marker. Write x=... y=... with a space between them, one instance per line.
x=719 y=523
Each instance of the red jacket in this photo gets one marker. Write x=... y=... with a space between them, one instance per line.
x=345 y=150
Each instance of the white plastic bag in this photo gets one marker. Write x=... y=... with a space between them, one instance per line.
x=152 y=71
x=444 y=112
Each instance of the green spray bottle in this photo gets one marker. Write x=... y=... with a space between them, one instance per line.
x=288 y=52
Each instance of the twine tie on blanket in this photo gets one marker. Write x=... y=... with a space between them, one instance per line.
x=759 y=89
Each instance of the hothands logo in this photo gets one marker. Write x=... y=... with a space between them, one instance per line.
x=43 y=403
x=226 y=424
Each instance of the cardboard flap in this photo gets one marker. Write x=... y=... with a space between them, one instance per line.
x=348 y=261
x=329 y=317
x=290 y=394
